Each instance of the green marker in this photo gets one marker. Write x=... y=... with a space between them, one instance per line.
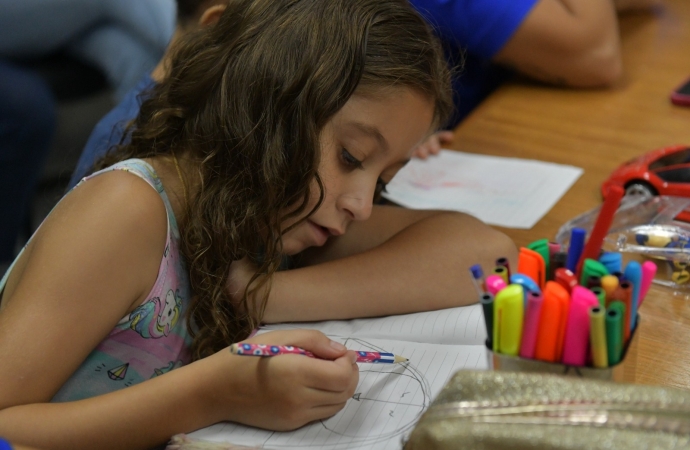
x=542 y=247
x=487 y=301
x=601 y=295
x=614 y=331
x=592 y=268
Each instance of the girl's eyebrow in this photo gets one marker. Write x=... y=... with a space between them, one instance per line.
x=372 y=132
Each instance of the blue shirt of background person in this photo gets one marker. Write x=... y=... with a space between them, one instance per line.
x=109 y=130
x=474 y=31
x=471 y=29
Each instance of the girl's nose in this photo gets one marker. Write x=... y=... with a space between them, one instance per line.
x=358 y=206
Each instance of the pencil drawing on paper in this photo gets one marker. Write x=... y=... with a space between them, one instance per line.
x=388 y=401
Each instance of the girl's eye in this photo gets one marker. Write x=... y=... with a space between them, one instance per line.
x=350 y=160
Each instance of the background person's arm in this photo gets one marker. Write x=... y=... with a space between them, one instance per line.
x=570 y=42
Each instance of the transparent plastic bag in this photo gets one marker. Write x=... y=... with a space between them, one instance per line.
x=646 y=228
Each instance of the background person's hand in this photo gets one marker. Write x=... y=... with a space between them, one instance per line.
x=433 y=144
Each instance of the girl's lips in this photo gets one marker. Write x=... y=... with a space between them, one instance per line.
x=320 y=233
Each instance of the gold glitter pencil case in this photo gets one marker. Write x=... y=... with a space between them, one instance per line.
x=521 y=410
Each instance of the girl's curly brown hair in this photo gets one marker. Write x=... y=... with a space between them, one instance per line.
x=247 y=99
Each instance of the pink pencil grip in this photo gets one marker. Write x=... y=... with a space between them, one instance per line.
x=531 y=325
x=494 y=283
x=577 y=329
x=648 y=273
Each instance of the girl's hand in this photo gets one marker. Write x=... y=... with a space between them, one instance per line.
x=287 y=391
x=433 y=144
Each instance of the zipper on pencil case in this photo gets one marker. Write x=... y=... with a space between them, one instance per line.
x=648 y=416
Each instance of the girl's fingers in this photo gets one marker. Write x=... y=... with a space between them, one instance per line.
x=445 y=137
x=336 y=376
x=311 y=340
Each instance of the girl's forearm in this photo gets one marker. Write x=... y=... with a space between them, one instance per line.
x=141 y=416
x=423 y=267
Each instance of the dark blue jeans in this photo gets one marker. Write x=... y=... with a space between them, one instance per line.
x=27 y=122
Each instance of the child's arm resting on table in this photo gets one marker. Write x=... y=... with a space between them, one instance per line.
x=396 y=262
x=95 y=259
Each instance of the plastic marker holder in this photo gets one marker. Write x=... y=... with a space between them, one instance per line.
x=565 y=327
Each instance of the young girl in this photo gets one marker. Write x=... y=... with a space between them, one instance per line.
x=268 y=138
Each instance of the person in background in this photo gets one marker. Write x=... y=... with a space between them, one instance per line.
x=123 y=38
x=571 y=43
x=27 y=123
x=191 y=14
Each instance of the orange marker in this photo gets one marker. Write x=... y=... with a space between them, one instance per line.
x=551 y=324
x=532 y=264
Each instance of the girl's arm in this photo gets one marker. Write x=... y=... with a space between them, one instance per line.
x=94 y=259
x=398 y=261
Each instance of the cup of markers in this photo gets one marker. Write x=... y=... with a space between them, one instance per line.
x=562 y=311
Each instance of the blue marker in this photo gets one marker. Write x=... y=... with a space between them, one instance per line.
x=633 y=273
x=528 y=285
x=613 y=261
x=478 y=279
x=577 y=243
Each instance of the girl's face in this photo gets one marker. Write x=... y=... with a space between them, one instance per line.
x=369 y=139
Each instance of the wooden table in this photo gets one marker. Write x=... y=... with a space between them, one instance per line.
x=598 y=130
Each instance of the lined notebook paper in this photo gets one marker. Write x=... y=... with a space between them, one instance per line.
x=509 y=192
x=390 y=397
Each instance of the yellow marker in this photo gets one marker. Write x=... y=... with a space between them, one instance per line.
x=610 y=284
x=502 y=272
x=508 y=316
x=597 y=336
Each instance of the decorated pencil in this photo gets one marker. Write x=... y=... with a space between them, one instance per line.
x=245 y=349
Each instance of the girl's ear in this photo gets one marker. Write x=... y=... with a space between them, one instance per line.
x=211 y=15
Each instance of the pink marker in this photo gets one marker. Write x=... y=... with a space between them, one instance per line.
x=648 y=272
x=531 y=325
x=494 y=283
x=577 y=328
x=245 y=349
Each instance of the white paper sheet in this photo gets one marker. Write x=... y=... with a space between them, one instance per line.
x=454 y=326
x=388 y=401
x=508 y=192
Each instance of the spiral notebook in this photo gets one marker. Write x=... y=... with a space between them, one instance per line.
x=389 y=398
